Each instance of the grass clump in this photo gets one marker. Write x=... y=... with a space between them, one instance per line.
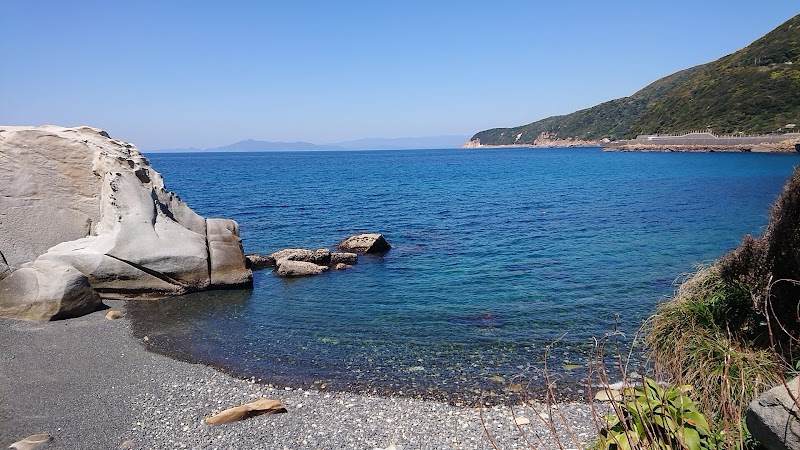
x=708 y=336
x=731 y=329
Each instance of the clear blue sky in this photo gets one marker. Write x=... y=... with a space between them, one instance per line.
x=166 y=74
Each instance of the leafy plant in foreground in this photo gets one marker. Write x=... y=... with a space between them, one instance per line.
x=650 y=416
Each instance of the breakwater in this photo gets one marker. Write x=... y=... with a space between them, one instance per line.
x=704 y=140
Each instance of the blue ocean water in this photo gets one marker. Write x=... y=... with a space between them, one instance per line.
x=496 y=254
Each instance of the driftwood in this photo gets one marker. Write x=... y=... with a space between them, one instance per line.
x=32 y=442
x=246 y=411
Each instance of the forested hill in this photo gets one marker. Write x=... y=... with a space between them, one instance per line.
x=754 y=90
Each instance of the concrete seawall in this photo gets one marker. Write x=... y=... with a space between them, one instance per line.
x=704 y=140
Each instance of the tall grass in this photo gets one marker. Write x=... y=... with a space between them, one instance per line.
x=709 y=336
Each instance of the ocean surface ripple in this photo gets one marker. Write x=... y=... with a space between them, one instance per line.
x=497 y=253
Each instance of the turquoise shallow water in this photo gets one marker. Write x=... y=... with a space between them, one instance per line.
x=496 y=254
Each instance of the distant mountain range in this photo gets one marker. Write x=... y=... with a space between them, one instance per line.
x=251 y=145
x=751 y=91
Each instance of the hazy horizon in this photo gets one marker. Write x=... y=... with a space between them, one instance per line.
x=180 y=74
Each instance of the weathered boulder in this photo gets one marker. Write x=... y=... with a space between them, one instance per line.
x=365 y=243
x=774 y=418
x=47 y=289
x=343 y=258
x=289 y=268
x=74 y=197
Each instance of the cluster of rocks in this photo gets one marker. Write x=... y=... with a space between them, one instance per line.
x=83 y=215
x=294 y=262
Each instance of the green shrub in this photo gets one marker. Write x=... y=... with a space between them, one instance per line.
x=650 y=416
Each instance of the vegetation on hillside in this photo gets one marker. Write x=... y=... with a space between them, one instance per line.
x=751 y=91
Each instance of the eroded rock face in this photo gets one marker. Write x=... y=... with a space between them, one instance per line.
x=774 y=419
x=365 y=243
x=75 y=198
x=225 y=253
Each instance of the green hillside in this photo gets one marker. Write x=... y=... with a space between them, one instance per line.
x=754 y=90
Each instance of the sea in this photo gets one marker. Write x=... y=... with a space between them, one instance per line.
x=509 y=268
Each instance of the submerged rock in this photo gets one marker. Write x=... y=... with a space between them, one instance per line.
x=365 y=243
x=85 y=214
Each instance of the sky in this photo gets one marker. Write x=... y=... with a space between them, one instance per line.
x=173 y=74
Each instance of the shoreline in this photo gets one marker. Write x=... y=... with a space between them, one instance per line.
x=779 y=147
x=90 y=384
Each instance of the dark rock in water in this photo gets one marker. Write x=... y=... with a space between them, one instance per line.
x=483 y=320
x=256 y=261
x=321 y=256
x=292 y=254
x=295 y=262
x=343 y=258
x=365 y=243
x=774 y=419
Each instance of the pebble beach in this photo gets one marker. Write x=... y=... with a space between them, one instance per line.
x=90 y=384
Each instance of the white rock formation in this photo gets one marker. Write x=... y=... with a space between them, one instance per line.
x=75 y=200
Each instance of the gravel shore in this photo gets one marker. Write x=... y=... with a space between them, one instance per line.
x=91 y=385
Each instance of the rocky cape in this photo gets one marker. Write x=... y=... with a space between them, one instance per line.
x=85 y=216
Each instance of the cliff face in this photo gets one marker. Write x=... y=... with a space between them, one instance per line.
x=83 y=216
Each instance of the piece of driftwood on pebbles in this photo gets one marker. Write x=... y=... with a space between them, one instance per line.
x=246 y=411
x=32 y=442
